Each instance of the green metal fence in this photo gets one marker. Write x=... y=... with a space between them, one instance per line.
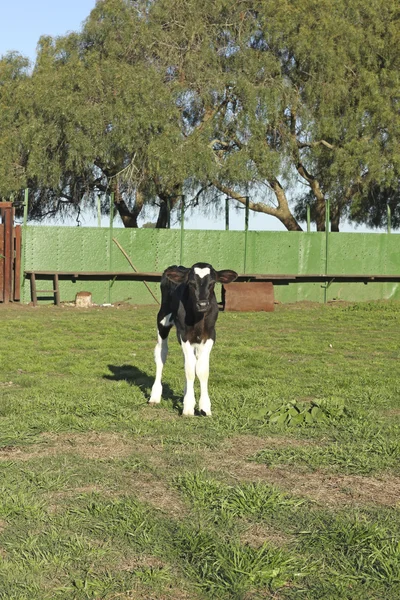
x=92 y=249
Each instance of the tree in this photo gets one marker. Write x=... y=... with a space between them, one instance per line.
x=14 y=86
x=247 y=98
x=303 y=92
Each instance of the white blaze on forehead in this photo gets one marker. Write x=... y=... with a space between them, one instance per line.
x=202 y=272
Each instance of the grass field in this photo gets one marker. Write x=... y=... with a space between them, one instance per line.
x=291 y=490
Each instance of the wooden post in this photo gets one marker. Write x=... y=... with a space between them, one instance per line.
x=7 y=214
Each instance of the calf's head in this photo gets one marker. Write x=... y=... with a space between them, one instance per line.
x=200 y=279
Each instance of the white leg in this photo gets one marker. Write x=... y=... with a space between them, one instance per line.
x=189 y=400
x=160 y=357
x=202 y=371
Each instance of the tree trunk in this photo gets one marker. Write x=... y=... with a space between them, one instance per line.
x=281 y=212
x=335 y=217
x=128 y=217
x=288 y=220
x=168 y=202
x=162 y=220
x=320 y=212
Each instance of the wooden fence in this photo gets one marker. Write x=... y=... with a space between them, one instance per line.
x=10 y=254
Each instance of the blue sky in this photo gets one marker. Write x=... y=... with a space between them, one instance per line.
x=23 y=22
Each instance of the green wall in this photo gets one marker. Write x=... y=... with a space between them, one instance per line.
x=92 y=249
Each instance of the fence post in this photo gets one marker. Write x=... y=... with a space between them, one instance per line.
x=182 y=227
x=98 y=211
x=389 y=218
x=327 y=219
x=308 y=218
x=246 y=229
x=25 y=223
x=110 y=242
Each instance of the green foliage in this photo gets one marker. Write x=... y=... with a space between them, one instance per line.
x=169 y=97
x=293 y=413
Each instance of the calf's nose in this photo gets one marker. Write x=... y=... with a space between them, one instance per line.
x=202 y=305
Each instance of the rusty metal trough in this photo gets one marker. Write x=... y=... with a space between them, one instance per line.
x=248 y=296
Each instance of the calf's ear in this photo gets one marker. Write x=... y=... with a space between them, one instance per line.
x=226 y=276
x=177 y=274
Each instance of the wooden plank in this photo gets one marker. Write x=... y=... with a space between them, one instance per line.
x=17 y=263
x=276 y=279
x=2 y=261
x=8 y=253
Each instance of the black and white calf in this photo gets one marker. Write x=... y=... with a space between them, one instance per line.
x=188 y=301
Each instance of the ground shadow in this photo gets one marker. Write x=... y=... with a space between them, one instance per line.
x=135 y=376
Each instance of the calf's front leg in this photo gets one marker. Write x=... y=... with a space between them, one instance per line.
x=189 y=399
x=202 y=371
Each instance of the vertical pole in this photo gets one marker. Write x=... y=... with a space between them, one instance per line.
x=26 y=200
x=98 y=211
x=182 y=228
x=308 y=218
x=327 y=219
x=110 y=242
x=246 y=229
x=227 y=213
x=24 y=229
x=8 y=251
x=168 y=213
x=389 y=219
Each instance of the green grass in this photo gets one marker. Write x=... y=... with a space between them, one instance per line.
x=104 y=497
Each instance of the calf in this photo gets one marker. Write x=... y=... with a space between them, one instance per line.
x=188 y=301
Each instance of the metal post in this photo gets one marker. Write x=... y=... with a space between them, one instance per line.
x=110 y=242
x=308 y=218
x=389 y=219
x=182 y=227
x=327 y=219
x=246 y=229
x=23 y=253
x=26 y=199
x=227 y=213
x=98 y=211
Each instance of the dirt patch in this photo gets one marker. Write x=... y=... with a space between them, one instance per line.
x=152 y=491
x=88 y=445
x=321 y=487
x=231 y=462
x=392 y=412
x=255 y=535
x=331 y=490
x=7 y=384
x=136 y=563
x=233 y=459
x=141 y=591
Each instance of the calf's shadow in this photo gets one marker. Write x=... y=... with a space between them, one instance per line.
x=138 y=378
